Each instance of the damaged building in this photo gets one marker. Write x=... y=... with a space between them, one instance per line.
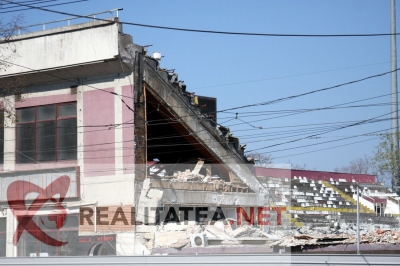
x=105 y=152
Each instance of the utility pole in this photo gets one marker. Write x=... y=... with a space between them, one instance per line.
x=394 y=99
x=358 y=220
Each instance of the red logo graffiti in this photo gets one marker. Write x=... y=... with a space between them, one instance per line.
x=16 y=194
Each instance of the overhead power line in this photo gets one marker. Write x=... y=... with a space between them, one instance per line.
x=294 y=111
x=288 y=76
x=214 y=31
x=22 y=9
x=26 y=2
x=310 y=92
x=338 y=146
x=152 y=121
x=315 y=135
x=35 y=2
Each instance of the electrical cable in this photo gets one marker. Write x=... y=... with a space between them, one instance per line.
x=34 y=3
x=22 y=9
x=310 y=92
x=288 y=76
x=214 y=31
x=110 y=92
x=270 y=133
x=308 y=145
x=363 y=79
x=313 y=135
x=278 y=100
x=338 y=146
x=267 y=113
x=317 y=109
x=13 y=3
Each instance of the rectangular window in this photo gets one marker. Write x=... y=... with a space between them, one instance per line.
x=46 y=133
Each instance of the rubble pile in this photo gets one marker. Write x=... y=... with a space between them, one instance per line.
x=221 y=233
x=188 y=175
x=193 y=180
x=247 y=231
x=381 y=236
x=328 y=236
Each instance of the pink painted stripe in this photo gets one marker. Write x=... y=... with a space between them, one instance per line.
x=98 y=109
x=44 y=100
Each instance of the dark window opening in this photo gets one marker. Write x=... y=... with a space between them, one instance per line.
x=46 y=133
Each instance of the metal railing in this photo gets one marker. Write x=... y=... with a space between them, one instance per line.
x=89 y=16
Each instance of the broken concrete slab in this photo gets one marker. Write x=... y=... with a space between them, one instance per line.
x=217 y=232
x=224 y=226
x=162 y=239
x=247 y=231
x=181 y=243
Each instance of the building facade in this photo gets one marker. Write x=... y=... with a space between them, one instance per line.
x=99 y=140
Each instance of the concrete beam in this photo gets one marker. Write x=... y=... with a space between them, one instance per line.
x=186 y=197
x=191 y=119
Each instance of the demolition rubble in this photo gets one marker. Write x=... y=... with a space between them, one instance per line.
x=160 y=179
x=331 y=236
x=221 y=234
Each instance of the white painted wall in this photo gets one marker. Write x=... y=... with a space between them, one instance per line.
x=11 y=249
x=115 y=189
x=392 y=207
x=364 y=202
x=56 y=48
x=9 y=136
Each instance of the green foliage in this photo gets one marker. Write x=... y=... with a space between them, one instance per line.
x=386 y=158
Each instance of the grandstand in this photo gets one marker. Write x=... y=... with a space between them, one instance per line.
x=319 y=199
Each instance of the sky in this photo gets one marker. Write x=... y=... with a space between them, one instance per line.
x=244 y=70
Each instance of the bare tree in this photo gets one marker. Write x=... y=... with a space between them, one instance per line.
x=297 y=166
x=362 y=165
x=11 y=85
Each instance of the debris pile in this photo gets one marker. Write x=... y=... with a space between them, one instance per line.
x=187 y=176
x=247 y=231
x=313 y=237
x=221 y=233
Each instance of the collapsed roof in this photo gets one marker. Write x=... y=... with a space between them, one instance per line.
x=170 y=125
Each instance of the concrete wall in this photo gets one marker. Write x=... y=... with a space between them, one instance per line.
x=392 y=207
x=57 y=47
x=105 y=130
x=365 y=202
x=113 y=161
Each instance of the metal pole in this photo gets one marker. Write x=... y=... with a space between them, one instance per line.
x=358 y=221
x=394 y=97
